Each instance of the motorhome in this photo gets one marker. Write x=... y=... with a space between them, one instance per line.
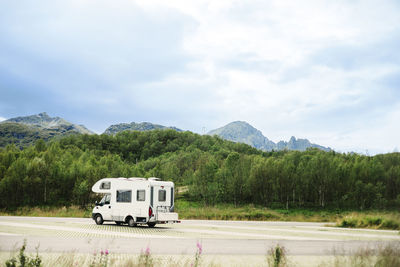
x=135 y=201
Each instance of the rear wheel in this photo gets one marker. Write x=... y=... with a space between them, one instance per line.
x=131 y=222
x=99 y=219
x=151 y=224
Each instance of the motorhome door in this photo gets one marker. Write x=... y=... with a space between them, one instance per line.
x=161 y=197
x=104 y=207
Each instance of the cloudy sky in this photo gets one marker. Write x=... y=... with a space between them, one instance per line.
x=328 y=71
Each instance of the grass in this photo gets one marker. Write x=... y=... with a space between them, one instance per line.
x=380 y=256
x=194 y=210
x=359 y=219
x=49 y=211
x=371 y=219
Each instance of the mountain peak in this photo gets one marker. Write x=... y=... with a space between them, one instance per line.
x=43 y=115
x=44 y=121
x=243 y=132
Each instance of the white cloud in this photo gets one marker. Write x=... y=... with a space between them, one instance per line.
x=312 y=69
x=2 y=119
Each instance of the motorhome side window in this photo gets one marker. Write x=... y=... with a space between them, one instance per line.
x=162 y=195
x=124 y=195
x=106 y=199
x=105 y=185
x=141 y=195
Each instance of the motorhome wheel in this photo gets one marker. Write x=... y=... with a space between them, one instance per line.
x=131 y=222
x=99 y=219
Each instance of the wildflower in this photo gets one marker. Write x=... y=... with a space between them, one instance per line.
x=200 y=247
x=101 y=252
x=147 y=251
x=106 y=252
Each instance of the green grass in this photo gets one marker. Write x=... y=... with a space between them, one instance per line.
x=360 y=219
x=371 y=219
x=48 y=211
x=194 y=210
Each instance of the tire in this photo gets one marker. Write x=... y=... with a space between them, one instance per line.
x=151 y=224
x=99 y=219
x=131 y=222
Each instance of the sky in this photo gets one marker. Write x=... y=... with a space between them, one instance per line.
x=328 y=71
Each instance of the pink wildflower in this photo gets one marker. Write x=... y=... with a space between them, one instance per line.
x=147 y=250
x=199 y=246
x=106 y=252
x=101 y=252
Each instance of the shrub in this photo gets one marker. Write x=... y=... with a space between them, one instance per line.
x=349 y=222
x=25 y=260
x=277 y=257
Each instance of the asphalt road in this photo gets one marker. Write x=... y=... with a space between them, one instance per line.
x=217 y=237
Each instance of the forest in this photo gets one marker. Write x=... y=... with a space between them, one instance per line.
x=62 y=172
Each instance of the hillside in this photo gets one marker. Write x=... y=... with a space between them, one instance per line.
x=240 y=131
x=143 y=126
x=214 y=170
x=43 y=120
x=24 y=131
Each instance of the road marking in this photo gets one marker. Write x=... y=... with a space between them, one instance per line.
x=85 y=231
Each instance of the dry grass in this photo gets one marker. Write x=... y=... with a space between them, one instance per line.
x=383 y=256
x=46 y=211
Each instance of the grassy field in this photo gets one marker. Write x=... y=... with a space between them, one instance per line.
x=192 y=210
x=352 y=219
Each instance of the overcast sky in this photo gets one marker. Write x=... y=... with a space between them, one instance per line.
x=328 y=71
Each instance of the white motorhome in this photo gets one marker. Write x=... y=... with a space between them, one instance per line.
x=135 y=201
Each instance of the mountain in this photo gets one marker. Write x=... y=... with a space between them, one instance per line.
x=143 y=126
x=24 y=131
x=299 y=144
x=242 y=132
x=42 y=120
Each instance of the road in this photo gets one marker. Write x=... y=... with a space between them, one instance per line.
x=217 y=237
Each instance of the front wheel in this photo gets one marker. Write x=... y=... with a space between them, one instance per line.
x=151 y=224
x=99 y=219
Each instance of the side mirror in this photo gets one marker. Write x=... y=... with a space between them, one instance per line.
x=95 y=203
